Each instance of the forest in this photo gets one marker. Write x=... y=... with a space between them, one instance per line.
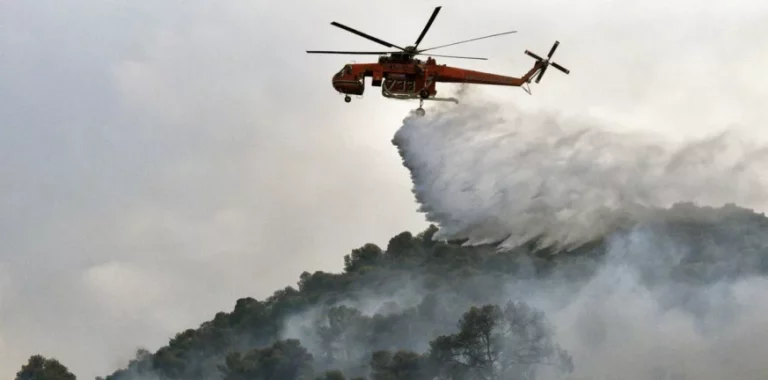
x=426 y=309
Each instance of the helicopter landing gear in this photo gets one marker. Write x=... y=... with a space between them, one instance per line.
x=347 y=99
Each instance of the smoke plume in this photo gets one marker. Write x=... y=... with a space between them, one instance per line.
x=488 y=176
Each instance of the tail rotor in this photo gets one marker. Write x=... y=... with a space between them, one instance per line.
x=546 y=62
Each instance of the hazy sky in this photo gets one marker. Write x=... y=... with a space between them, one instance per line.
x=159 y=160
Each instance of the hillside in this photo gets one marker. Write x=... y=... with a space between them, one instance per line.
x=419 y=308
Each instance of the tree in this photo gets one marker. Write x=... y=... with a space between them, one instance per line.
x=495 y=343
x=141 y=366
x=332 y=375
x=284 y=360
x=346 y=331
x=39 y=367
x=402 y=365
x=366 y=256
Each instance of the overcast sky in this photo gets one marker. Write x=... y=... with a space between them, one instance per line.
x=161 y=159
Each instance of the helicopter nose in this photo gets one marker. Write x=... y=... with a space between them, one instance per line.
x=348 y=86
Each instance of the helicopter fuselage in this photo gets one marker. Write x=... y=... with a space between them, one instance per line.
x=412 y=78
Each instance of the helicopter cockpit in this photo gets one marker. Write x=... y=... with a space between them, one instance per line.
x=346 y=70
x=346 y=82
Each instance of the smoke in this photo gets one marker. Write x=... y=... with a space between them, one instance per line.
x=623 y=325
x=489 y=176
x=681 y=295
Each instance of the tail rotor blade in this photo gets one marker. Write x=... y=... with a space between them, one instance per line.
x=544 y=63
x=561 y=68
x=552 y=50
x=536 y=57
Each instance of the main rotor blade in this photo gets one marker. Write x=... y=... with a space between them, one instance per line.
x=426 y=28
x=552 y=50
x=561 y=68
x=454 y=56
x=350 y=52
x=361 y=34
x=474 y=39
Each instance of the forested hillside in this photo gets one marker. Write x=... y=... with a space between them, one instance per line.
x=420 y=309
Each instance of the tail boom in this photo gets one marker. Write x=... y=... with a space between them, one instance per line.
x=449 y=74
x=457 y=75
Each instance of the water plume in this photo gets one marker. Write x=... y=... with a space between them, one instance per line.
x=502 y=175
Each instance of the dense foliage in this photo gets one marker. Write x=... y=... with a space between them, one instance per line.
x=419 y=309
x=339 y=341
x=39 y=367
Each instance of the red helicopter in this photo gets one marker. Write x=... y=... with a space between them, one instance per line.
x=401 y=76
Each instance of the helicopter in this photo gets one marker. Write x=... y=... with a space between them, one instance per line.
x=402 y=76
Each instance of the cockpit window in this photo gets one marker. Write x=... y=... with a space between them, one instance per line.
x=346 y=70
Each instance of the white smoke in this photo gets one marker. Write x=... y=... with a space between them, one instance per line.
x=485 y=176
x=619 y=326
x=642 y=315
